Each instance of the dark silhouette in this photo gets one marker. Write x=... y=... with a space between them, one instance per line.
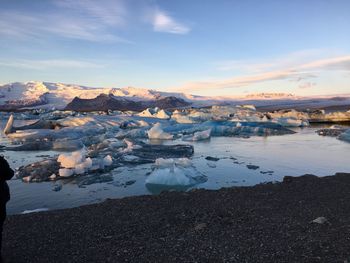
x=6 y=173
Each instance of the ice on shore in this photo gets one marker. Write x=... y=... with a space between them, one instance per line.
x=35 y=210
x=156 y=132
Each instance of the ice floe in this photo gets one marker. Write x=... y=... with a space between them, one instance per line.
x=156 y=132
x=174 y=172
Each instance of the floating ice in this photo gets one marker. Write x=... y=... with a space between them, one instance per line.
x=147 y=112
x=129 y=146
x=291 y=122
x=108 y=160
x=74 y=163
x=162 y=114
x=167 y=163
x=169 y=176
x=173 y=172
x=156 y=132
x=64 y=172
x=70 y=160
x=201 y=135
x=9 y=124
x=130 y=158
x=345 y=136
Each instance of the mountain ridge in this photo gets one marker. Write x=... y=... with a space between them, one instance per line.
x=48 y=95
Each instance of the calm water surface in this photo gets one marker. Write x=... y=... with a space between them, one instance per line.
x=276 y=157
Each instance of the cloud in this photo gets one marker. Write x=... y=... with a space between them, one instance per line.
x=294 y=73
x=162 y=22
x=109 y=12
x=307 y=85
x=50 y=64
x=87 y=20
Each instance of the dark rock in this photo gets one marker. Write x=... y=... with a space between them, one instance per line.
x=252 y=167
x=210 y=158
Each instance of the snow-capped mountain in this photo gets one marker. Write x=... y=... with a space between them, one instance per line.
x=57 y=95
x=33 y=94
x=265 y=95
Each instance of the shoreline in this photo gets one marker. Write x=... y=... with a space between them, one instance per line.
x=266 y=222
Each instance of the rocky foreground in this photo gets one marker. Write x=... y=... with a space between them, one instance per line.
x=265 y=223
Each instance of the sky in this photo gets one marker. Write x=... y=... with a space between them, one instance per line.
x=204 y=47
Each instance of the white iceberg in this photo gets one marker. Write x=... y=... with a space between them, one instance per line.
x=168 y=163
x=156 y=132
x=64 y=172
x=147 y=112
x=172 y=176
x=173 y=172
x=74 y=163
x=70 y=160
x=107 y=161
x=291 y=122
x=201 y=135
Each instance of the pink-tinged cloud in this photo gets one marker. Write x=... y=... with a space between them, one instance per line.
x=301 y=72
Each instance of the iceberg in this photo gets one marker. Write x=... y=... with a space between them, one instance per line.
x=201 y=135
x=168 y=163
x=175 y=173
x=345 y=136
x=64 y=172
x=291 y=122
x=156 y=132
x=74 y=163
x=172 y=176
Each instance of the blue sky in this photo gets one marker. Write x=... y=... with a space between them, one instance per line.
x=198 y=46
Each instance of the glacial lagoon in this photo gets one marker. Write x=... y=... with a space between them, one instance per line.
x=223 y=161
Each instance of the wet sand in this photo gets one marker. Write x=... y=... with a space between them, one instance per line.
x=264 y=223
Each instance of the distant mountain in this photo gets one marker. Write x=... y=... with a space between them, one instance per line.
x=15 y=96
x=46 y=95
x=105 y=102
x=275 y=96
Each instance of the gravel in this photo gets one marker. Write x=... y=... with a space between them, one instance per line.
x=264 y=223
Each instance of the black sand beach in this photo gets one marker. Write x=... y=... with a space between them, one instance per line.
x=264 y=223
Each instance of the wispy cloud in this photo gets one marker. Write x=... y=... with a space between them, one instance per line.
x=298 y=72
x=307 y=85
x=50 y=64
x=81 y=19
x=109 y=12
x=89 y=20
x=163 y=22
